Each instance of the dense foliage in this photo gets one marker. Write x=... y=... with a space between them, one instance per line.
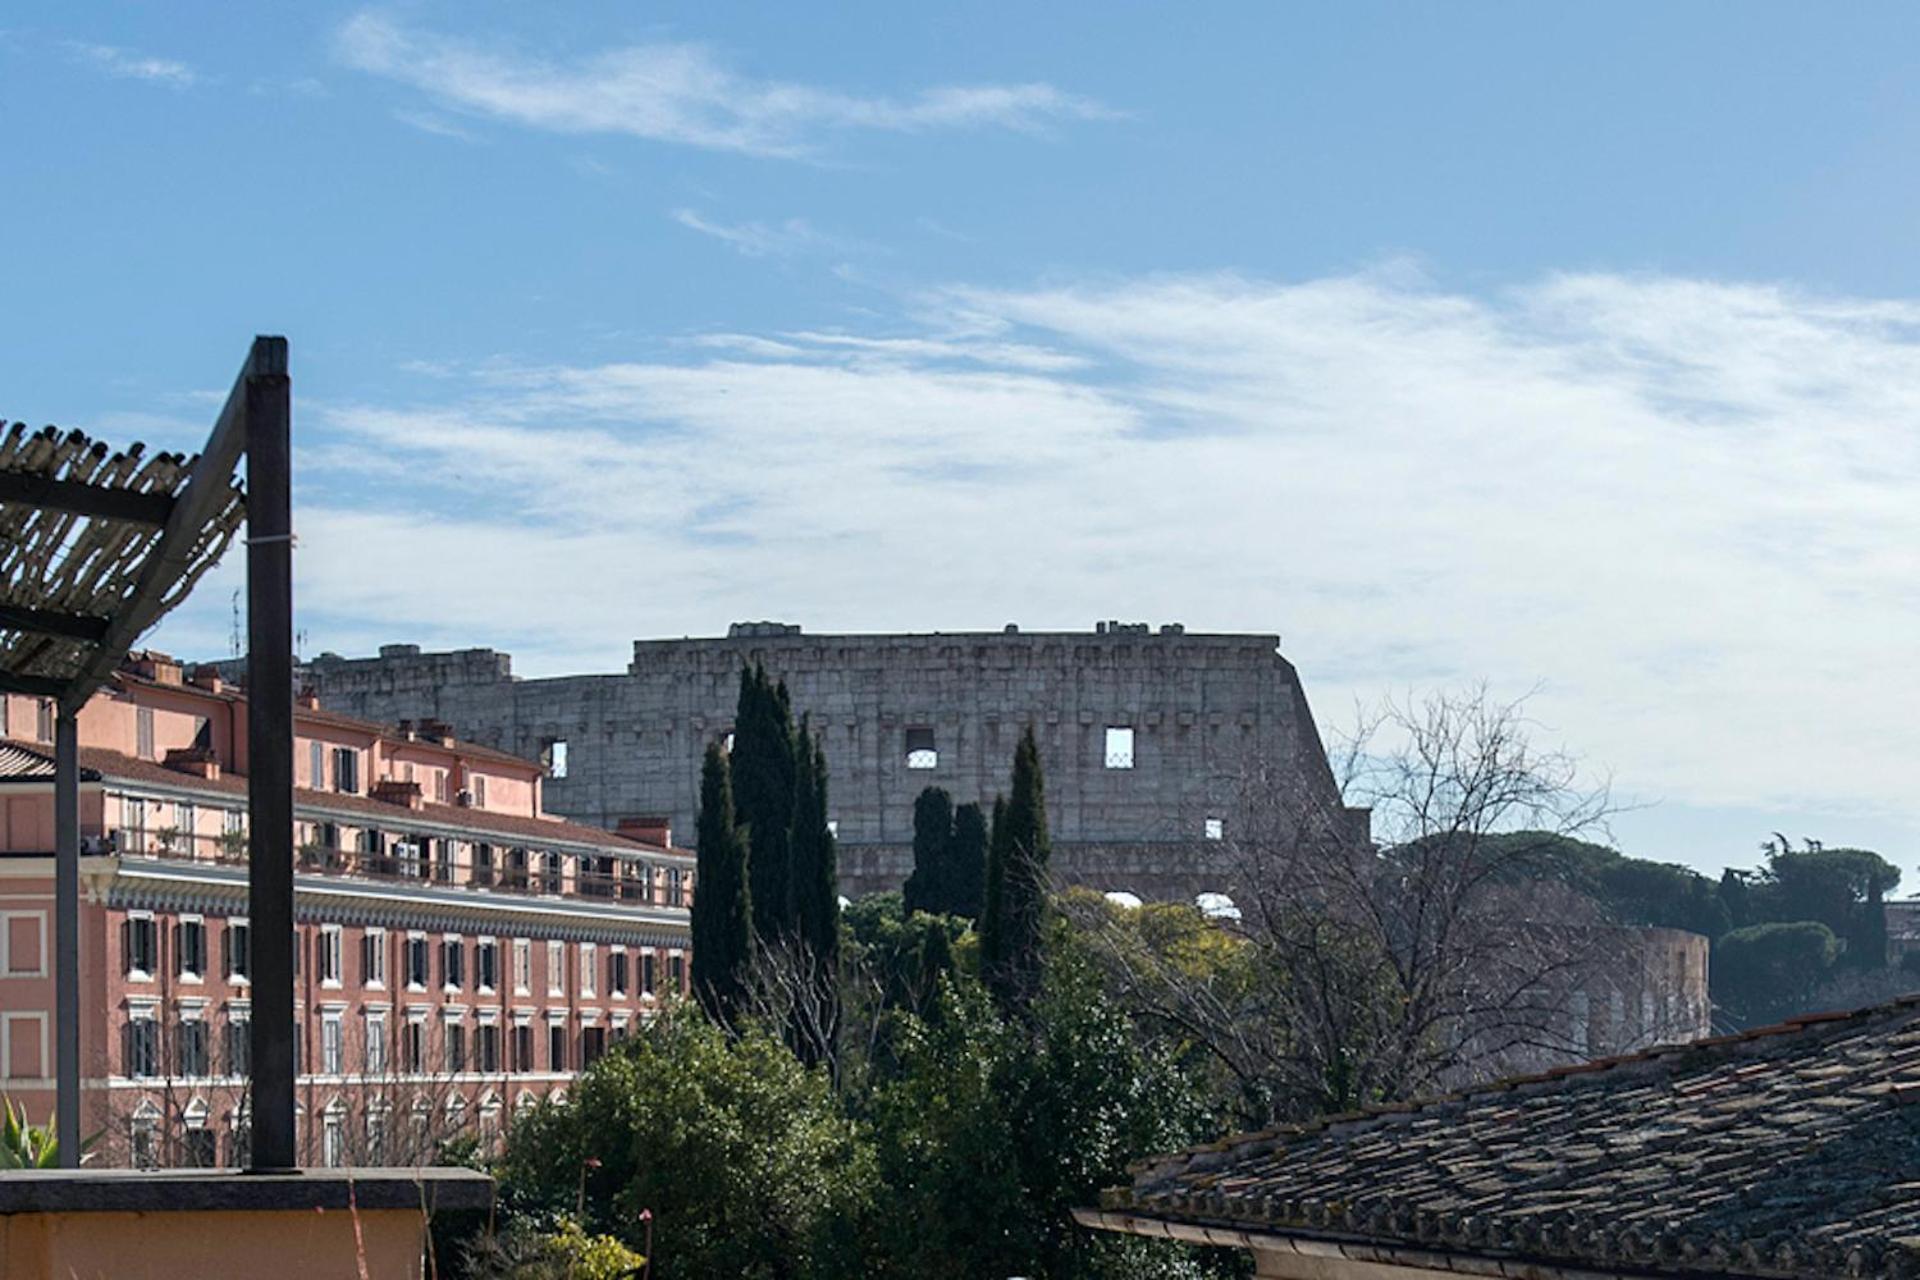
x=722 y=922
x=765 y=765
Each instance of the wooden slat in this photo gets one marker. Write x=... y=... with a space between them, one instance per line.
x=33 y=490
x=50 y=622
x=207 y=493
x=33 y=686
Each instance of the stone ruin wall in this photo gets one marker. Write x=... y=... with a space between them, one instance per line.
x=1203 y=709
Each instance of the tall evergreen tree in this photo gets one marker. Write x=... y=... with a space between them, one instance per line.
x=722 y=918
x=966 y=884
x=763 y=761
x=1011 y=942
x=930 y=887
x=815 y=880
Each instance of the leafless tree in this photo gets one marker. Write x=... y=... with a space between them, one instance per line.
x=1440 y=950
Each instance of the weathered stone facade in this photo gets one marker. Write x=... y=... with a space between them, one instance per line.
x=1129 y=810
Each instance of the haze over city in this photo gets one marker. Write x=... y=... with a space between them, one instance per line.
x=1590 y=376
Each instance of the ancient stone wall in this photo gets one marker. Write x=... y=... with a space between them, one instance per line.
x=1129 y=810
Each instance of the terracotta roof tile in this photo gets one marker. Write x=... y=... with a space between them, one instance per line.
x=1784 y=1151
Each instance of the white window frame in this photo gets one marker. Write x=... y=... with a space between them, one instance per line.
x=620 y=992
x=192 y=976
x=9 y=1030
x=416 y=936
x=589 y=956
x=235 y=976
x=333 y=1042
x=332 y=957
x=455 y=944
x=522 y=967
x=556 y=968
x=375 y=1048
x=480 y=982
x=375 y=946
x=142 y=917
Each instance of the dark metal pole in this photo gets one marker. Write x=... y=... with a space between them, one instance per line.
x=66 y=934
x=270 y=749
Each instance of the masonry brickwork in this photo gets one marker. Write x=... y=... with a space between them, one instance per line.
x=1130 y=810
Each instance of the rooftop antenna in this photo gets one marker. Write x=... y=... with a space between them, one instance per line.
x=234 y=637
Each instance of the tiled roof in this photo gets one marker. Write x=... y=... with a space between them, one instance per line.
x=18 y=761
x=1792 y=1151
x=321 y=715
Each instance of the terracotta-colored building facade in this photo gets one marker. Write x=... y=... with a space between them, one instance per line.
x=460 y=952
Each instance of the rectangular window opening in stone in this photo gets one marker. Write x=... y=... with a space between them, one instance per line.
x=921 y=753
x=1119 y=747
x=554 y=756
x=1216 y=829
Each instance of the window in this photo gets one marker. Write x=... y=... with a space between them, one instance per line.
x=920 y=749
x=142 y=1045
x=417 y=961
x=555 y=757
x=377 y=1133
x=587 y=966
x=453 y=955
x=43 y=720
x=486 y=964
x=486 y=1046
x=142 y=1135
x=143 y=733
x=239 y=1039
x=479 y=790
x=1119 y=747
x=593 y=1046
x=413 y=1044
x=676 y=888
x=140 y=943
x=443 y=861
x=556 y=968
x=373 y=958
x=332 y=1044
x=24 y=1046
x=346 y=770
x=456 y=1042
x=677 y=973
x=522 y=967
x=523 y=1046
x=646 y=973
x=236 y=946
x=617 y=972
x=192 y=1058
x=376 y=1042
x=552 y=873
x=1216 y=829
x=439 y=786
x=134 y=819
x=334 y=1141
x=483 y=865
x=556 y=1046
x=190 y=949
x=199 y=1145
x=316 y=766
x=327 y=959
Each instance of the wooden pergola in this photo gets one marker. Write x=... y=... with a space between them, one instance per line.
x=97 y=547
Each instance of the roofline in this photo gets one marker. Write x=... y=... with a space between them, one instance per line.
x=1339 y=1250
x=1172 y=1161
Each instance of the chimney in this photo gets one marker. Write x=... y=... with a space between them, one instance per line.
x=161 y=668
x=437 y=731
x=652 y=828
x=307 y=699
x=207 y=676
x=201 y=762
x=398 y=791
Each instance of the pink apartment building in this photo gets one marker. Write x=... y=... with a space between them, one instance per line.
x=460 y=953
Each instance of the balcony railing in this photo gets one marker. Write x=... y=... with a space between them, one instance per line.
x=529 y=873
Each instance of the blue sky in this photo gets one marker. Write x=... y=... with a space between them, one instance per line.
x=1575 y=350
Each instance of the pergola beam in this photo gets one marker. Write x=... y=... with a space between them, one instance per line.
x=81 y=498
x=53 y=622
x=172 y=555
x=33 y=686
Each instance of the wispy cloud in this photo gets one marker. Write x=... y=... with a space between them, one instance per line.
x=434 y=123
x=1690 y=509
x=757 y=239
x=680 y=93
x=124 y=64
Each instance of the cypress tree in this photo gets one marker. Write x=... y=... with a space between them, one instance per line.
x=993 y=916
x=930 y=887
x=966 y=883
x=722 y=918
x=1020 y=848
x=816 y=874
x=763 y=785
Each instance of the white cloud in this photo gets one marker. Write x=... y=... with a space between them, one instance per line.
x=757 y=239
x=124 y=64
x=1689 y=510
x=679 y=93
